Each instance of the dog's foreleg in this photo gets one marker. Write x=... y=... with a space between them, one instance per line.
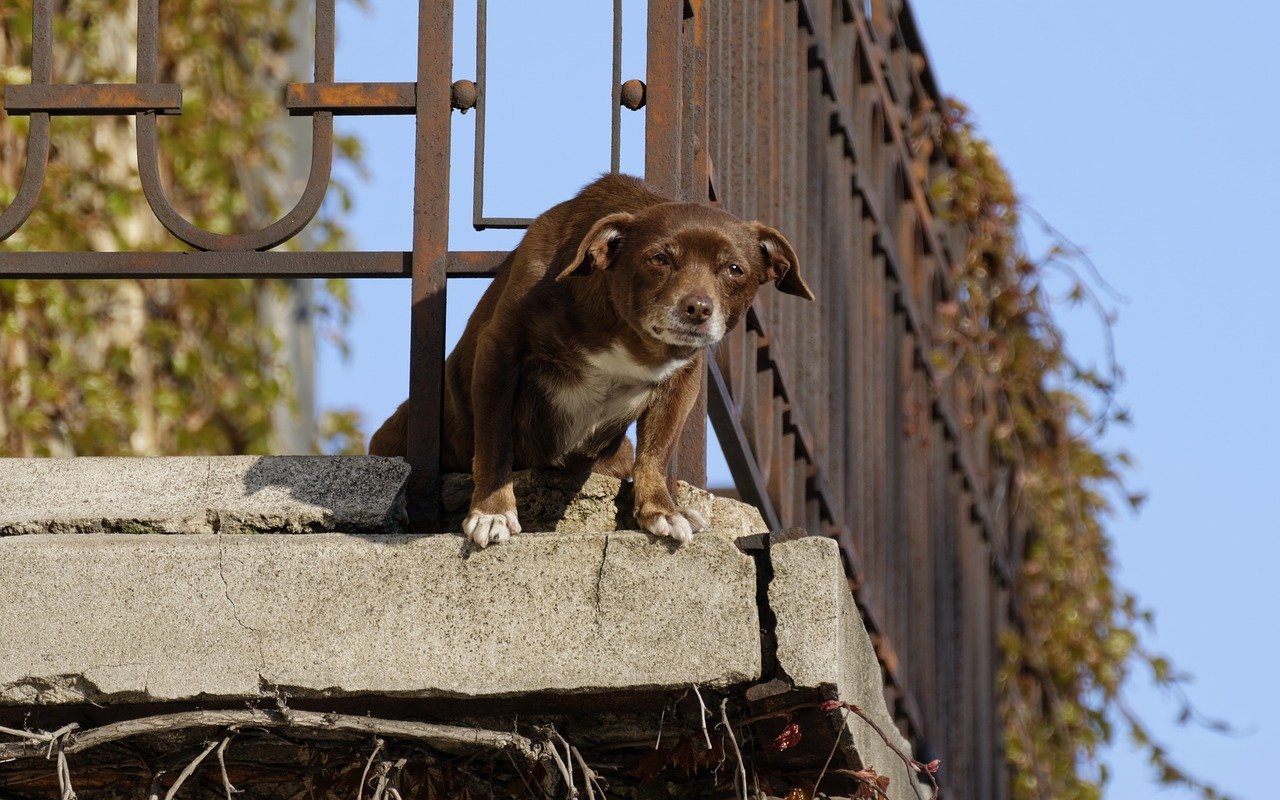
x=492 y=517
x=659 y=427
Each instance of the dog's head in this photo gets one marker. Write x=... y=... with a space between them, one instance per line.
x=684 y=274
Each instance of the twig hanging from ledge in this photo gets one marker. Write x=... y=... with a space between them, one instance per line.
x=442 y=736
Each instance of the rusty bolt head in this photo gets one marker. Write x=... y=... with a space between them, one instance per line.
x=633 y=94
x=463 y=96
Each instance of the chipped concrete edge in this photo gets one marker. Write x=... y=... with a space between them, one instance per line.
x=192 y=495
x=823 y=647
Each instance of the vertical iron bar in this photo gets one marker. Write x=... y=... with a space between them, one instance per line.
x=42 y=41
x=691 y=453
x=615 y=113
x=668 y=68
x=37 y=155
x=429 y=261
x=482 y=87
x=662 y=103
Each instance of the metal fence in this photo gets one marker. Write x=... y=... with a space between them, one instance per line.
x=814 y=115
x=804 y=113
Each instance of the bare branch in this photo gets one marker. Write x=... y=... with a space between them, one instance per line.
x=35 y=736
x=364 y=777
x=222 y=765
x=64 y=777
x=186 y=773
x=728 y=728
x=834 y=747
x=389 y=772
x=911 y=764
x=703 y=717
x=560 y=765
x=588 y=775
x=445 y=737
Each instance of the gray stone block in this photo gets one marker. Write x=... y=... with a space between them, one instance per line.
x=548 y=500
x=823 y=645
x=110 y=618
x=285 y=494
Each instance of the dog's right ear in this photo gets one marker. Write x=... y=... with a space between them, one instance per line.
x=598 y=246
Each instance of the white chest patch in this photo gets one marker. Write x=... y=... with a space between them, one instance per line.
x=613 y=387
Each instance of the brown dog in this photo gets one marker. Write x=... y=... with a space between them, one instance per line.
x=601 y=316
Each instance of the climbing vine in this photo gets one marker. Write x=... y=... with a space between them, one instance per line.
x=155 y=366
x=1081 y=635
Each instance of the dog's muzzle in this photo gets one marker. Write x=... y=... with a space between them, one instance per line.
x=694 y=321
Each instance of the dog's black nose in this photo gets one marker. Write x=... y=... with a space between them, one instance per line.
x=697 y=308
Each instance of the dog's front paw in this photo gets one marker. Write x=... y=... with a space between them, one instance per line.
x=485 y=529
x=679 y=525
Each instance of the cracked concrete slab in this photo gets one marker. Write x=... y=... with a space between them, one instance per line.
x=823 y=647
x=107 y=618
x=230 y=494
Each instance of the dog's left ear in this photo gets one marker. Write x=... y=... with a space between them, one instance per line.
x=781 y=261
x=598 y=246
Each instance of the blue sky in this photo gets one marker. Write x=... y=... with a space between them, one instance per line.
x=1144 y=131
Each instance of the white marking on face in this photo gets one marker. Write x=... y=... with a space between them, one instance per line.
x=613 y=388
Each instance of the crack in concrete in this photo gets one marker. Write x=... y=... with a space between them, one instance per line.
x=235 y=612
x=604 y=557
x=210 y=515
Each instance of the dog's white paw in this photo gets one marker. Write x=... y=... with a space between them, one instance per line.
x=680 y=526
x=485 y=529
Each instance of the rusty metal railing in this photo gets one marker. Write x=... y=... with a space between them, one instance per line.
x=804 y=113
x=814 y=115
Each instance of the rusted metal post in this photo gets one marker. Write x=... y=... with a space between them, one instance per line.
x=24 y=201
x=668 y=124
x=430 y=259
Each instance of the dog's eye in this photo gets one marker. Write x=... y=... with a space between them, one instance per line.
x=659 y=260
x=736 y=271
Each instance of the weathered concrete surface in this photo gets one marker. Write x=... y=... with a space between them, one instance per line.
x=299 y=494
x=822 y=645
x=112 y=618
x=285 y=494
x=548 y=500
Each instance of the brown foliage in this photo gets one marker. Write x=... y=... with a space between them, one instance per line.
x=1064 y=672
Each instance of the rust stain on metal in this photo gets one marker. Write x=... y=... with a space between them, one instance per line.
x=93 y=98
x=463 y=95
x=351 y=98
x=633 y=94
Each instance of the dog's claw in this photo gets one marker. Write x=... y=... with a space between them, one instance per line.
x=680 y=525
x=485 y=529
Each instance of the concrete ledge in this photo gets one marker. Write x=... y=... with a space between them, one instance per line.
x=299 y=494
x=823 y=648
x=109 y=618
x=285 y=494
x=549 y=500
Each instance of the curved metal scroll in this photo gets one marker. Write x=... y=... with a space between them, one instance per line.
x=24 y=202
x=149 y=157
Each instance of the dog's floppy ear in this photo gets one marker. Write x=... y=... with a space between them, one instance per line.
x=598 y=245
x=781 y=261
